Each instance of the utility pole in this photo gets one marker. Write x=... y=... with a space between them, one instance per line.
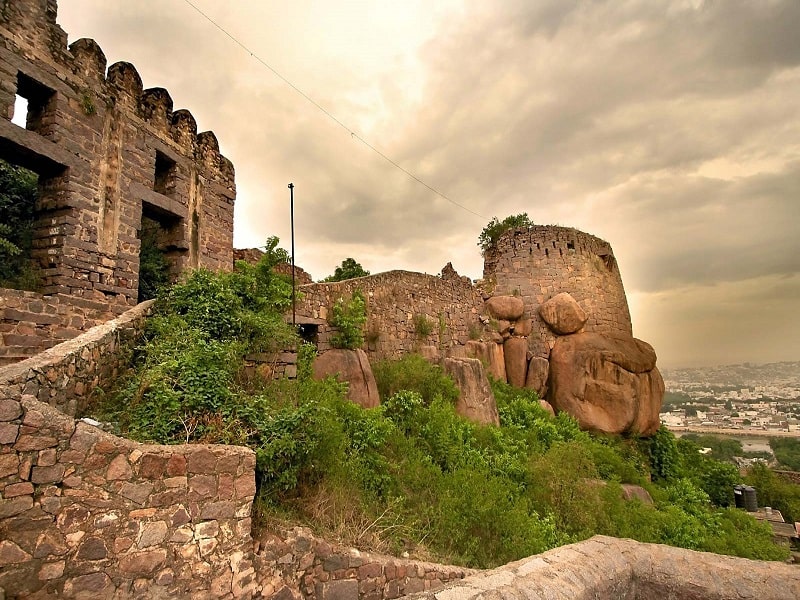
x=291 y=218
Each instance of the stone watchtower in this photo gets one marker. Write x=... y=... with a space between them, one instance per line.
x=109 y=156
x=107 y=152
x=565 y=329
x=539 y=262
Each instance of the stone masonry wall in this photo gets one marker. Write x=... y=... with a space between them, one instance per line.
x=31 y=322
x=297 y=565
x=108 y=154
x=604 y=567
x=539 y=262
x=65 y=375
x=449 y=303
x=87 y=514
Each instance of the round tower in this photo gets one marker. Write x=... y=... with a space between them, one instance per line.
x=538 y=262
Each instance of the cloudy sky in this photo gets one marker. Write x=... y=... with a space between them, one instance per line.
x=670 y=129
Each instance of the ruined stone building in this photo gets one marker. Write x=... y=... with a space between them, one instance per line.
x=87 y=514
x=112 y=158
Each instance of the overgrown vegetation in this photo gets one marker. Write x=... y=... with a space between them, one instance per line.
x=411 y=474
x=153 y=265
x=495 y=228
x=787 y=452
x=18 y=192
x=348 y=317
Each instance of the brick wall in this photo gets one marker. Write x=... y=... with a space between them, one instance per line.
x=296 y=564
x=31 y=322
x=108 y=154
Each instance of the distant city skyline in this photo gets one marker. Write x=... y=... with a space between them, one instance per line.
x=669 y=128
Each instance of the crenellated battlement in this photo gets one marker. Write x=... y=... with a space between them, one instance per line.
x=113 y=157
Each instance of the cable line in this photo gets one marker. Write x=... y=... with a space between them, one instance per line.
x=352 y=133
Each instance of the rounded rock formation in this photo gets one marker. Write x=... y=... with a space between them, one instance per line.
x=353 y=367
x=609 y=384
x=505 y=308
x=563 y=314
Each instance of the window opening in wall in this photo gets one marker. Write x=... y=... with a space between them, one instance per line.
x=20 y=111
x=18 y=195
x=37 y=102
x=570 y=245
x=609 y=261
x=308 y=332
x=165 y=175
x=159 y=255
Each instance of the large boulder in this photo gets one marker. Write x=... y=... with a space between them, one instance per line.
x=609 y=384
x=353 y=367
x=538 y=371
x=505 y=308
x=563 y=314
x=476 y=401
x=491 y=355
x=515 y=352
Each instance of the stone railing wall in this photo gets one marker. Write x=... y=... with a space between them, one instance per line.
x=64 y=375
x=297 y=565
x=31 y=322
x=87 y=514
x=396 y=301
x=604 y=567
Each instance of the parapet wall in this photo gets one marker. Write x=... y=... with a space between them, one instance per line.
x=298 y=565
x=85 y=513
x=538 y=262
x=396 y=302
x=604 y=567
x=107 y=152
x=31 y=322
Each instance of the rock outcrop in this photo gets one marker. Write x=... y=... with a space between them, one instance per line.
x=491 y=355
x=476 y=402
x=515 y=352
x=353 y=367
x=505 y=308
x=563 y=314
x=538 y=372
x=609 y=384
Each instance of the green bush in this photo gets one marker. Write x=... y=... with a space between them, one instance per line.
x=348 y=317
x=412 y=372
x=495 y=228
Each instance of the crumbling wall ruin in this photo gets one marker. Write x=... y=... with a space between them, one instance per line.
x=108 y=154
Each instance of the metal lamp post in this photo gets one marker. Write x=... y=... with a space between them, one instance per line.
x=291 y=219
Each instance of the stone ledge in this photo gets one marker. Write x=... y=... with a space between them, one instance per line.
x=604 y=567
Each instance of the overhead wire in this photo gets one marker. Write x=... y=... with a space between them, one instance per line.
x=331 y=116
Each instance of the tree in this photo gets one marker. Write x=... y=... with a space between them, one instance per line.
x=18 y=191
x=495 y=228
x=349 y=269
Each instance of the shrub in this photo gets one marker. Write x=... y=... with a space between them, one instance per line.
x=413 y=372
x=664 y=456
x=349 y=318
x=422 y=326
x=495 y=228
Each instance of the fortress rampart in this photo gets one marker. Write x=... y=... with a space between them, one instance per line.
x=397 y=303
x=108 y=155
x=539 y=262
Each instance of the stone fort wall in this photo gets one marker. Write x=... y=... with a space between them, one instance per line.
x=108 y=153
x=84 y=513
x=397 y=303
x=539 y=262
